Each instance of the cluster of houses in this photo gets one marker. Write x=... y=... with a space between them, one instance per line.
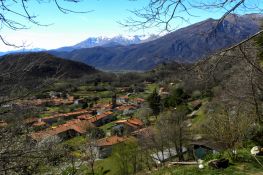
x=61 y=127
x=64 y=126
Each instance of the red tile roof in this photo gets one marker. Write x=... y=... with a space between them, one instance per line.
x=79 y=126
x=139 y=99
x=39 y=123
x=125 y=107
x=85 y=117
x=133 y=122
x=124 y=97
x=109 y=141
x=80 y=112
x=98 y=117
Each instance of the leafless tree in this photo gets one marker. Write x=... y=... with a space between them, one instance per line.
x=173 y=127
x=167 y=14
x=18 y=155
x=91 y=154
x=228 y=128
x=16 y=14
x=238 y=73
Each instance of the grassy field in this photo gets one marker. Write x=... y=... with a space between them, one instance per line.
x=107 y=128
x=108 y=164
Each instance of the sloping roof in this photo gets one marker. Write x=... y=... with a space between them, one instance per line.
x=164 y=155
x=80 y=112
x=102 y=106
x=101 y=116
x=109 y=141
x=138 y=99
x=85 y=117
x=79 y=126
x=124 y=97
x=39 y=123
x=144 y=132
x=133 y=122
x=218 y=146
x=126 y=107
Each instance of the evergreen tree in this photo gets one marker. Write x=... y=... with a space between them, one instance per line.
x=155 y=102
x=177 y=97
x=114 y=100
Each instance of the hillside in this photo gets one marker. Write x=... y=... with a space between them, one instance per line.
x=185 y=45
x=198 y=93
x=42 y=65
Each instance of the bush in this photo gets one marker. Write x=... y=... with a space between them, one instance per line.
x=243 y=155
x=196 y=94
x=96 y=133
x=213 y=156
x=257 y=135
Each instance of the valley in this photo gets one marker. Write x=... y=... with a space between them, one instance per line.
x=188 y=102
x=86 y=120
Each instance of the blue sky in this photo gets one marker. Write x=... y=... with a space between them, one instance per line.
x=69 y=29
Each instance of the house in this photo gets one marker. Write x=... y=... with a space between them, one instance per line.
x=165 y=155
x=122 y=99
x=67 y=116
x=98 y=120
x=138 y=101
x=143 y=133
x=59 y=101
x=126 y=109
x=79 y=102
x=85 y=117
x=101 y=108
x=104 y=145
x=62 y=132
x=127 y=126
x=102 y=119
x=203 y=147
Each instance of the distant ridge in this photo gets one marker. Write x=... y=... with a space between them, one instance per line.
x=42 y=65
x=188 y=44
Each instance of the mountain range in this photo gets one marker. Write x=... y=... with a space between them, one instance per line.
x=109 y=42
x=188 y=44
x=22 y=51
x=94 y=42
x=142 y=52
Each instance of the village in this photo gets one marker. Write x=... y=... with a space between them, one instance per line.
x=79 y=122
x=117 y=117
x=113 y=120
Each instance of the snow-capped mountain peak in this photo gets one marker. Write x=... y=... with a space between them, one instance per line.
x=102 y=41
